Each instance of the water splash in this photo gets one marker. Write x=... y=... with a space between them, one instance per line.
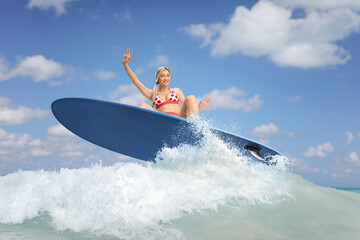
x=208 y=189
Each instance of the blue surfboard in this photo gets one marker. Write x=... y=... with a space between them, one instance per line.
x=140 y=133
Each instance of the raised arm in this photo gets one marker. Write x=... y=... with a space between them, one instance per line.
x=144 y=90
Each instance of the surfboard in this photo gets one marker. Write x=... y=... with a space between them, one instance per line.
x=141 y=133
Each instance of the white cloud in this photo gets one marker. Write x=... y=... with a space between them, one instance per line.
x=3 y=67
x=37 y=67
x=268 y=30
x=320 y=151
x=18 y=149
x=319 y=4
x=59 y=130
x=10 y=115
x=204 y=32
x=160 y=60
x=125 y=17
x=127 y=94
x=353 y=158
x=290 y=134
x=5 y=102
x=300 y=165
x=18 y=146
x=140 y=70
x=37 y=152
x=20 y=115
x=57 y=5
x=8 y=140
x=265 y=132
x=336 y=175
x=293 y=99
x=73 y=154
x=307 y=55
x=350 y=137
x=22 y=151
x=105 y=75
x=233 y=99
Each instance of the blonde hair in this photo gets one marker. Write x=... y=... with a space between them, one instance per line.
x=156 y=87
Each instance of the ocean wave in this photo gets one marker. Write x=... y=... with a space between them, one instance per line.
x=195 y=192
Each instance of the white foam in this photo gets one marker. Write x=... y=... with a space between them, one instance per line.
x=129 y=200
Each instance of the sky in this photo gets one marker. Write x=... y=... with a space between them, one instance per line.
x=282 y=72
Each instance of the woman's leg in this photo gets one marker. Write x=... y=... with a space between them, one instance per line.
x=190 y=108
x=145 y=105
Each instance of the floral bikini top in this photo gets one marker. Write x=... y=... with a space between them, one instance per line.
x=174 y=99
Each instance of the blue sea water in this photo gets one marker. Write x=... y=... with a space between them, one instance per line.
x=210 y=191
x=355 y=190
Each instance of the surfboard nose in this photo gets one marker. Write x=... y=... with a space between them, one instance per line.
x=55 y=108
x=60 y=108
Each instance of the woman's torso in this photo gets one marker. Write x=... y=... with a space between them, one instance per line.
x=168 y=103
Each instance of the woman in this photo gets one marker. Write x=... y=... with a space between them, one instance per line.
x=163 y=98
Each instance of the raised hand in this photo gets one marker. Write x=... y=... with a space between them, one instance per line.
x=127 y=56
x=204 y=103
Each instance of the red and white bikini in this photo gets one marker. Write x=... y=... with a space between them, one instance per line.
x=174 y=99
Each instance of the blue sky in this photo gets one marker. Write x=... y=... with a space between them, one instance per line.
x=285 y=73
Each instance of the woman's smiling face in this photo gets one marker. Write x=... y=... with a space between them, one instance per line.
x=164 y=78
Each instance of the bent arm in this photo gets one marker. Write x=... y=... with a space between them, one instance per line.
x=144 y=90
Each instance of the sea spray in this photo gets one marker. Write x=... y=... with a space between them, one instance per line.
x=123 y=200
x=205 y=191
x=226 y=172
